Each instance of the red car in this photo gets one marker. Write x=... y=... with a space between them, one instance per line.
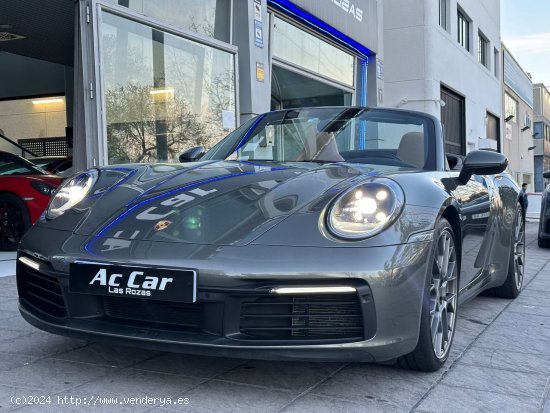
x=25 y=192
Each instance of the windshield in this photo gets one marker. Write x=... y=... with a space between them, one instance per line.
x=373 y=136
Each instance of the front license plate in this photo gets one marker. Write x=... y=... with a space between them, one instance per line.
x=138 y=282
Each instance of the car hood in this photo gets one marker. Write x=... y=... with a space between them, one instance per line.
x=217 y=202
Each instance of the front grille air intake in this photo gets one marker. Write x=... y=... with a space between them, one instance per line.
x=159 y=314
x=319 y=316
x=41 y=290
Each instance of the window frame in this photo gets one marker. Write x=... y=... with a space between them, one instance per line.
x=508 y=100
x=444 y=15
x=496 y=124
x=463 y=29
x=483 y=49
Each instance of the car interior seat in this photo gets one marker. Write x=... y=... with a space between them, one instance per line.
x=411 y=149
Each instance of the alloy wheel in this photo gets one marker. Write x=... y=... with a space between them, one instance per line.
x=519 y=250
x=443 y=294
x=11 y=224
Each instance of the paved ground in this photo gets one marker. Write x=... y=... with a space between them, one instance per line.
x=500 y=362
x=7 y=263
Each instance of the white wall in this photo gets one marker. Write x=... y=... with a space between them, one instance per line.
x=420 y=56
x=21 y=119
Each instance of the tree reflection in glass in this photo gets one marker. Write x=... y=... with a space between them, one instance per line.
x=163 y=94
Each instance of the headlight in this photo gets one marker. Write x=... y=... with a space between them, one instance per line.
x=366 y=209
x=71 y=193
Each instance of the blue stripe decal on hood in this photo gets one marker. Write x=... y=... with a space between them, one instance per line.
x=88 y=246
x=175 y=175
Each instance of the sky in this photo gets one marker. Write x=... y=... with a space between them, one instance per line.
x=525 y=28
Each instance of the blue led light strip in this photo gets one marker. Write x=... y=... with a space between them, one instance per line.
x=362 y=143
x=363 y=82
x=317 y=24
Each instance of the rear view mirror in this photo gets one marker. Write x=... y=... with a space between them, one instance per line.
x=193 y=154
x=546 y=175
x=455 y=162
x=482 y=163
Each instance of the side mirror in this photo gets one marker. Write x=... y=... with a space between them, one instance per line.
x=455 y=161
x=482 y=163
x=546 y=175
x=193 y=154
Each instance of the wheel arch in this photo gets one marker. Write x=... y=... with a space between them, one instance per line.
x=6 y=192
x=450 y=213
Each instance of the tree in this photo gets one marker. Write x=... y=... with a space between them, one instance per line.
x=132 y=116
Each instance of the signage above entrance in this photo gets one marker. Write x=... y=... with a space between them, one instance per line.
x=358 y=19
x=349 y=8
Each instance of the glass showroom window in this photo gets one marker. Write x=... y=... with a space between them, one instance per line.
x=510 y=108
x=208 y=17
x=162 y=93
x=299 y=48
x=483 y=47
x=463 y=31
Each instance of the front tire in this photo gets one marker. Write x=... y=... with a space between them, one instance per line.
x=14 y=221
x=439 y=308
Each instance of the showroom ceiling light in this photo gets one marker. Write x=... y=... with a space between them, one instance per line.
x=166 y=91
x=47 y=101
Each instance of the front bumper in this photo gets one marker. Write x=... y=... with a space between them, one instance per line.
x=380 y=321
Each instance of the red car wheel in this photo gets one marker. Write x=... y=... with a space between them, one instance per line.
x=14 y=221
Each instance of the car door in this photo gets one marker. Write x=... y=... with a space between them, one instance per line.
x=475 y=201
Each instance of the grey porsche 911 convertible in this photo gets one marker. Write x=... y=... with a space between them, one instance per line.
x=308 y=234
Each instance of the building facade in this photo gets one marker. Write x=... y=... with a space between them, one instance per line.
x=517 y=122
x=541 y=129
x=150 y=78
x=443 y=57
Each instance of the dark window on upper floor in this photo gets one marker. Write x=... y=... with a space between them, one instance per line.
x=443 y=14
x=463 y=30
x=483 y=49
x=493 y=129
x=454 y=121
